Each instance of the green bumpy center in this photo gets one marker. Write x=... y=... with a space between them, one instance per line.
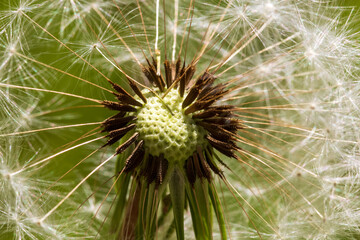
x=175 y=136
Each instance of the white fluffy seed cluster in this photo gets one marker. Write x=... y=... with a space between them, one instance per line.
x=294 y=70
x=175 y=135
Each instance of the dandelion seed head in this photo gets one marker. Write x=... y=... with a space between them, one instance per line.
x=172 y=134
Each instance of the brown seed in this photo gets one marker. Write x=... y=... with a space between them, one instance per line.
x=151 y=75
x=203 y=164
x=203 y=80
x=127 y=143
x=111 y=124
x=121 y=131
x=212 y=165
x=217 y=131
x=190 y=173
x=135 y=158
x=168 y=73
x=127 y=100
x=162 y=169
x=118 y=107
x=225 y=148
x=198 y=105
x=185 y=76
x=136 y=89
x=151 y=172
x=198 y=170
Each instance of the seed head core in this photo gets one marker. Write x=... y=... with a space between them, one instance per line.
x=175 y=135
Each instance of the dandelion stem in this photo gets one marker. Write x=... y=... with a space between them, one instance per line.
x=177 y=193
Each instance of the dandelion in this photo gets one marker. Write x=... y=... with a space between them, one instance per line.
x=178 y=120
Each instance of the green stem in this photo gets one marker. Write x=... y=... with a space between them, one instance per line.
x=218 y=210
x=177 y=193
